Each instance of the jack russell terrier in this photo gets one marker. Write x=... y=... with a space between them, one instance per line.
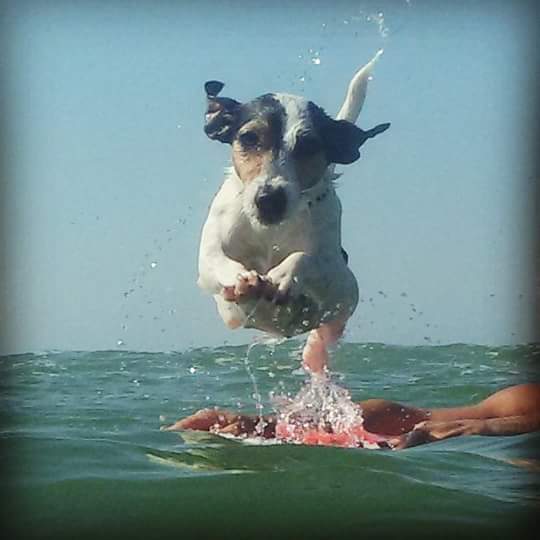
x=270 y=250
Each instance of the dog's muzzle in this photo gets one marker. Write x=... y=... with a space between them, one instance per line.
x=271 y=204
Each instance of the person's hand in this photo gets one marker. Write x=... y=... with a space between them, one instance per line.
x=429 y=431
x=222 y=421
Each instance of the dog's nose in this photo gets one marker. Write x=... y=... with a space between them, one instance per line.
x=271 y=205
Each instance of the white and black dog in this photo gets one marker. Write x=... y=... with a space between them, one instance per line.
x=271 y=249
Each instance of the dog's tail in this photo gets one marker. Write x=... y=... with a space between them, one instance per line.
x=356 y=93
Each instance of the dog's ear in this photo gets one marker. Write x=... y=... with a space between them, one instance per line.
x=342 y=140
x=221 y=113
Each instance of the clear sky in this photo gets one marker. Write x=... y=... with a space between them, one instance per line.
x=108 y=175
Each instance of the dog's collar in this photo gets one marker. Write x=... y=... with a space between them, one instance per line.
x=318 y=198
x=314 y=195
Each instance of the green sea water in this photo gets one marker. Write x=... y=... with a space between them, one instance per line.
x=84 y=456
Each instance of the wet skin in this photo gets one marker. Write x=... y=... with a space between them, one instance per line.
x=511 y=411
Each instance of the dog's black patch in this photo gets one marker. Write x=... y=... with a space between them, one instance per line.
x=213 y=88
x=221 y=113
x=341 y=139
x=273 y=112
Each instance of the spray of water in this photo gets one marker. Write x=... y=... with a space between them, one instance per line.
x=259 y=428
x=267 y=341
x=320 y=405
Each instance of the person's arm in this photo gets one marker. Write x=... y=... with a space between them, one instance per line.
x=511 y=411
x=510 y=425
x=431 y=431
x=222 y=421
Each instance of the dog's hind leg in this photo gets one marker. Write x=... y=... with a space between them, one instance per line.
x=315 y=353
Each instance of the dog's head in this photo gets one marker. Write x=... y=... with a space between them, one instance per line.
x=281 y=147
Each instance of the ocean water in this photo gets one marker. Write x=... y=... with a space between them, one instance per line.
x=84 y=455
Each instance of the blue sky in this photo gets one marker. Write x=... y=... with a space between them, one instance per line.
x=109 y=175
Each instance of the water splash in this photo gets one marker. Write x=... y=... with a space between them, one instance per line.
x=321 y=405
x=378 y=19
x=271 y=342
x=323 y=413
x=256 y=394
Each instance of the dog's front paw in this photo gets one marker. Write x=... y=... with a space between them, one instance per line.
x=287 y=285
x=249 y=285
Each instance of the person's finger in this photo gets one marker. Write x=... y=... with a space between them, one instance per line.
x=398 y=443
x=173 y=427
x=231 y=429
x=418 y=435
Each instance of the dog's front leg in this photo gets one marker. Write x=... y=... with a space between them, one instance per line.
x=289 y=276
x=216 y=270
x=235 y=289
x=217 y=274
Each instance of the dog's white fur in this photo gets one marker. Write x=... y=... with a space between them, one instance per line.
x=300 y=256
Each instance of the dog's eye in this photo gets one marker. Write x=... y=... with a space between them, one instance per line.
x=307 y=146
x=249 y=139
